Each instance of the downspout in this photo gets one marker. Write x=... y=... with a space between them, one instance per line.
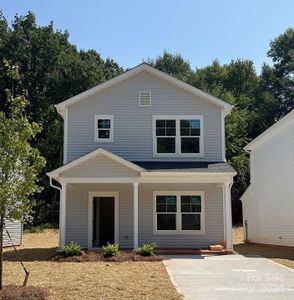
x=60 y=191
x=54 y=186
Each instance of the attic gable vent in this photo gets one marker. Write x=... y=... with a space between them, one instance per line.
x=144 y=98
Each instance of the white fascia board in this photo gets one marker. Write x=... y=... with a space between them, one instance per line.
x=271 y=131
x=61 y=106
x=189 y=88
x=175 y=178
x=144 y=67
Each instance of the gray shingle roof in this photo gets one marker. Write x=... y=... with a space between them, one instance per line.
x=166 y=166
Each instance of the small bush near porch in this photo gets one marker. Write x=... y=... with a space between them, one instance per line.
x=73 y=280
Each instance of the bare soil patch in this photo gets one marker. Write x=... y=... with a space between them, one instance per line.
x=94 y=256
x=87 y=280
x=12 y=292
x=280 y=254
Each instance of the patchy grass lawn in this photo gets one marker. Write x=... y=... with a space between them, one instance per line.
x=87 y=280
x=281 y=254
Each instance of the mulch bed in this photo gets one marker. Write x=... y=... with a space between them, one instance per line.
x=94 y=256
x=13 y=292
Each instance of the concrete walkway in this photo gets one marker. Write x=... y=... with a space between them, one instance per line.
x=230 y=277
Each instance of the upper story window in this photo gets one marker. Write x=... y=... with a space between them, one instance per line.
x=166 y=136
x=103 y=128
x=178 y=135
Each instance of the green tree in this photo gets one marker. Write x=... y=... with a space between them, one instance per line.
x=278 y=80
x=173 y=65
x=51 y=70
x=20 y=163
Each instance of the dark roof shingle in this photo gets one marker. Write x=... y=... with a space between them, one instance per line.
x=166 y=166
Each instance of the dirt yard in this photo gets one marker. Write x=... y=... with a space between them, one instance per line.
x=87 y=280
x=280 y=254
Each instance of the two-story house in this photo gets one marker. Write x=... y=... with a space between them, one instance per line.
x=144 y=162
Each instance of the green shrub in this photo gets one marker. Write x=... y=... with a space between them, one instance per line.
x=146 y=249
x=110 y=250
x=28 y=228
x=72 y=249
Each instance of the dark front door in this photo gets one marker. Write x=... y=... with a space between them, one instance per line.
x=103 y=227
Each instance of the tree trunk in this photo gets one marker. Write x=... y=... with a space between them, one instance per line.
x=1 y=248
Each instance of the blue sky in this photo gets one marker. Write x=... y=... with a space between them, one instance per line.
x=200 y=31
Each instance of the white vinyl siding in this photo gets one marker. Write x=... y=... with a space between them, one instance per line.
x=214 y=220
x=77 y=214
x=133 y=135
x=100 y=166
x=15 y=230
x=268 y=206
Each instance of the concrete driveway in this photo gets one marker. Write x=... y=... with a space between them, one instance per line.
x=230 y=277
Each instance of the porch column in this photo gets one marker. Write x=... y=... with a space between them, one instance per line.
x=62 y=215
x=136 y=199
x=228 y=215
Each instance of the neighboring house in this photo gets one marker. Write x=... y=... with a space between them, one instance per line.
x=268 y=203
x=144 y=162
x=15 y=230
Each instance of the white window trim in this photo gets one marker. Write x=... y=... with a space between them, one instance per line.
x=90 y=215
x=178 y=214
x=111 y=130
x=140 y=105
x=178 y=152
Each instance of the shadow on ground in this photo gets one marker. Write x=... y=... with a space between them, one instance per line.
x=268 y=251
x=30 y=254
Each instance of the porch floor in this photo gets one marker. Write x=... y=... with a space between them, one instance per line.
x=186 y=251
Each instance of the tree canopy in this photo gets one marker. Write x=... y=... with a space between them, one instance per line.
x=52 y=70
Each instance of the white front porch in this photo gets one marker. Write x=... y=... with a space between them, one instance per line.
x=134 y=188
x=134 y=213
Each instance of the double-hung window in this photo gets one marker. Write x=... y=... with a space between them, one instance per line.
x=166 y=136
x=190 y=132
x=178 y=212
x=191 y=212
x=166 y=212
x=103 y=128
x=178 y=135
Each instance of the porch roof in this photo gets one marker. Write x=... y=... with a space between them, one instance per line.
x=101 y=165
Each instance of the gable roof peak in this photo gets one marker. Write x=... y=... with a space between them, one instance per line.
x=100 y=151
x=271 y=131
x=61 y=107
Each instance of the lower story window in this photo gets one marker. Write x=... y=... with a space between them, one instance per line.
x=166 y=209
x=181 y=212
x=191 y=212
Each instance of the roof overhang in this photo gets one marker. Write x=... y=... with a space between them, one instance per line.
x=143 y=175
x=61 y=107
x=271 y=131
